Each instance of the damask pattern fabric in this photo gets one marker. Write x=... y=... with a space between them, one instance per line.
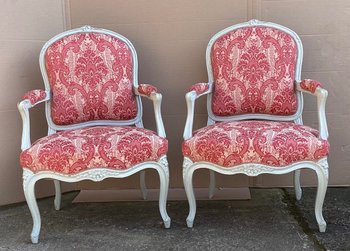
x=310 y=85
x=91 y=78
x=34 y=96
x=146 y=89
x=112 y=147
x=200 y=88
x=254 y=70
x=265 y=142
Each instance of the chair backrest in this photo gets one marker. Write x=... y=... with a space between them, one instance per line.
x=253 y=67
x=90 y=74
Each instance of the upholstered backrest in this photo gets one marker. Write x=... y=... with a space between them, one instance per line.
x=91 y=78
x=253 y=70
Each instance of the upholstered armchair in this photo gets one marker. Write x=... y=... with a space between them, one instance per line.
x=94 y=115
x=255 y=103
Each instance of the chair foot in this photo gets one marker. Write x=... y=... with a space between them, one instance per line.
x=167 y=223
x=322 y=227
x=57 y=205
x=298 y=193
x=163 y=172
x=29 y=181
x=297 y=187
x=34 y=238
x=189 y=223
x=322 y=176
x=187 y=178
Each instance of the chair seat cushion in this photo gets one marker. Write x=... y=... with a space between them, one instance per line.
x=77 y=150
x=264 y=142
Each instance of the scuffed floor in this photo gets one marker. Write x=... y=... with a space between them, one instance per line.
x=271 y=220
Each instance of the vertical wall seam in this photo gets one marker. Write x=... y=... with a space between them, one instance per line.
x=67 y=24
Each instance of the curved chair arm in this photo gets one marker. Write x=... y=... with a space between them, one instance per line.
x=30 y=99
x=150 y=92
x=314 y=87
x=196 y=91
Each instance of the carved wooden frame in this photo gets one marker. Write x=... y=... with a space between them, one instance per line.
x=96 y=174
x=250 y=169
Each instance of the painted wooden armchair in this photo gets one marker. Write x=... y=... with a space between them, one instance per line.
x=255 y=103
x=94 y=115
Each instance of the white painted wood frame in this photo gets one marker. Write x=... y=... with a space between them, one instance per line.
x=97 y=174
x=250 y=169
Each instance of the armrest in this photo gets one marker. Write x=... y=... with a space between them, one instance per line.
x=309 y=85
x=35 y=96
x=196 y=91
x=314 y=87
x=30 y=99
x=146 y=90
x=200 y=88
x=150 y=92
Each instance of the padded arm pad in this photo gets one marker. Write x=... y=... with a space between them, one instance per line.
x=146 y=89
x=35 y=96
x=200 y=88
x=310 y=85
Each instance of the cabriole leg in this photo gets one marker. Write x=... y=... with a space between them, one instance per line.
x=297 y=187
x=322 y=177
x=143 y=184
x=163 y=172
x=58 y=195
x=29 y=193
x=187 y=178
x=212 y=184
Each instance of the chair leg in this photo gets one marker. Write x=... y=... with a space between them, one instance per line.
x=322 y=177
x=187 y=178
x=163 y=172
x=57 y=201
x=143 y=184
x=297 y=187
x=29 y=193
x=212 y=184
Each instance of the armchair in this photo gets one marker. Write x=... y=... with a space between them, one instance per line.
x=255 y=103
x=94 y=114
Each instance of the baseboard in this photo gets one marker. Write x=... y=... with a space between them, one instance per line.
x=241 y=193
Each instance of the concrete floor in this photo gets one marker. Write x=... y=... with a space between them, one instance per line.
x=271 y=220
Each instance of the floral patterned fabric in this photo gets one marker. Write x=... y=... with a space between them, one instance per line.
x=200 y=88
x=254 y=70
x=265 y=142
x=91 y=78
x=310 y=85
x=35 y=96
x=146 y=89
x=74 y=151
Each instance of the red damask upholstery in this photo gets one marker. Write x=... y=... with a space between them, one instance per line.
x=266 y=142
x=35 y=96
x=254 y=112
x=254 y=71
x=91 y=78
x=146 y=89
x=310 y=85
x=200 y=88
x=74 y=151
x=93 y=110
